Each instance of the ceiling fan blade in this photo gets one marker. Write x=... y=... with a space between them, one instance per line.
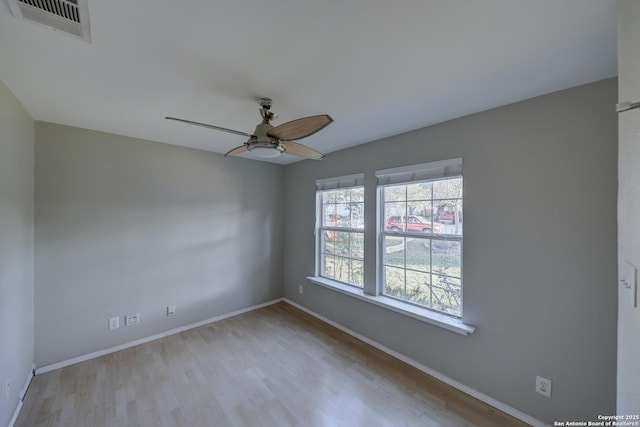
x=237 y=150
x=296 y=149
x=237 y=132
x=300 y=128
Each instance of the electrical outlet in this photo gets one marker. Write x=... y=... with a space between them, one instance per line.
x=114 y=323
x=131 y=319
x=7 y=390
x=543 y=386
x=171 y=310
x=300 y=289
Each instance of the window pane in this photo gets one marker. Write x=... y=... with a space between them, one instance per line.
x=394 y=282
x=342 y=215
x=357 y=194
x=343 y=195
x=356 y=212
x=418 y=254
x=357 y=273
x=422 y=209
x=447 y=258
x=394 y=214
x=395 y=193
x=419 y=191
x=418 y=290
x=328 y=269
x=328 y=197
x=447 y=188
x=329 y=215
x=356 y=247
x=328 y=246
x=449 y=215
x=394 y=251
x=341 y=243
x=341 y=267
x=446 y=294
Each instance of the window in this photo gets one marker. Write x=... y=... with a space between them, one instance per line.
x=418 y=263
x=340 y=229
x=420 y=235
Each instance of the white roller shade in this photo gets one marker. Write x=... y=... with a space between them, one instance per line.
x=433 y=170
x=346 y=181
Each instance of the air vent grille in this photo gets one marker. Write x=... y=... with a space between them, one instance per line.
x=70 y=16
x=67 y=9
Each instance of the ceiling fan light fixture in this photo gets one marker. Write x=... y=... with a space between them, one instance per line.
x=266 y=152
x=266 y=149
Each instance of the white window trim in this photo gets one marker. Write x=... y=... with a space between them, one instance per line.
x=442 y=169
x=422 y=314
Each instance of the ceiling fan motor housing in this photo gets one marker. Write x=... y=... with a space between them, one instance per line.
x=261 y=132
x=264 y=145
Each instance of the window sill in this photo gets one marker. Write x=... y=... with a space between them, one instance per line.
x=415 y=312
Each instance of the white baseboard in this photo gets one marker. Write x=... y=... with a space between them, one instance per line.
x=23 y=392
x=134 y=343
x=13 y=419
x=445 y=379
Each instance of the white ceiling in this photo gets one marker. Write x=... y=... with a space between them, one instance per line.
x=378 y=67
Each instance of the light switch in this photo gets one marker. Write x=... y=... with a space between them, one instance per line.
x=114 y=323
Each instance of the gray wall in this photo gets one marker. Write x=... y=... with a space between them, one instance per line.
x=16 y=249
x=539 y=250
x=130 y=226
x=628 y=50
x=628 y=205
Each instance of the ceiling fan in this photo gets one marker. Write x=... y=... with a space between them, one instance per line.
x=268 y=141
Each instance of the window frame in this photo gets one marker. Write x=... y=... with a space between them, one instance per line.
x=346 y=182
x=431 y=171
x=382 y=233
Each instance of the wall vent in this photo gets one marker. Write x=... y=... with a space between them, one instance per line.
x=70 y=16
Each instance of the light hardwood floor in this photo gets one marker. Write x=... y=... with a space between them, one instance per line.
x=276 y=366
